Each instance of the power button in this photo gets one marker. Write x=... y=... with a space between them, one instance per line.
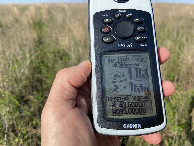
x=106 y=29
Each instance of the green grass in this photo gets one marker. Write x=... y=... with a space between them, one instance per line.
x=36 y=41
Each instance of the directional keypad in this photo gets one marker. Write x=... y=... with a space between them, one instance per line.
x=123 y=26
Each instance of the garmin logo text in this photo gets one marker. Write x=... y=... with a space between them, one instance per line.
x=132 y=126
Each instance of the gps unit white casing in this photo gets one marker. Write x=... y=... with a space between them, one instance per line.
x=106 y=8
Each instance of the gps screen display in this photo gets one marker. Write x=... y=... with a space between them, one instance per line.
x=127 y=86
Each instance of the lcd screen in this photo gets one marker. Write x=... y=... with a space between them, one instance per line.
x=127 y=86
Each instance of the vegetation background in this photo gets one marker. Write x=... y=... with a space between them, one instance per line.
x=36 y=41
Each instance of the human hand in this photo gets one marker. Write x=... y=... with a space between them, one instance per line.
x=64 y=119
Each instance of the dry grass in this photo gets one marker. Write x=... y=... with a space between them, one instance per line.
x=38 y=40
x=175 y=30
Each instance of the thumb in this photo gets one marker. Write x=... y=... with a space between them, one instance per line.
x=64 y=88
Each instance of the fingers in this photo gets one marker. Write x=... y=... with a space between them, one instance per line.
x=168 y=88
x=153 y=138
x=64 y=89
x=164 y=54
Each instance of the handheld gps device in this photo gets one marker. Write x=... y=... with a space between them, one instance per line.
x=127 y=96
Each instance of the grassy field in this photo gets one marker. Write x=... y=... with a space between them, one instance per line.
x=36 y=41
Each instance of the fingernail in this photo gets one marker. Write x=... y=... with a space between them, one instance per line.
x=82 y=64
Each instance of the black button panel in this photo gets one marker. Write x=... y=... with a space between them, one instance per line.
x=108 y=39
x=123 y=26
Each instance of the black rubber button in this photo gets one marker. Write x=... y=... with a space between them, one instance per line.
x=107 y=20
x=128 y=16
x=106 y=29
x=138 y=20
x=124 y=29
x=108 y=39
x=140 y=38
x=141 y=29
x=117 y=16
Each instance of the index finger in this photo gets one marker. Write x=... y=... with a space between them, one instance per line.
x=164 y=54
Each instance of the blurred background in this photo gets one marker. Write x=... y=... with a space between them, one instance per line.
x=37 y=40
